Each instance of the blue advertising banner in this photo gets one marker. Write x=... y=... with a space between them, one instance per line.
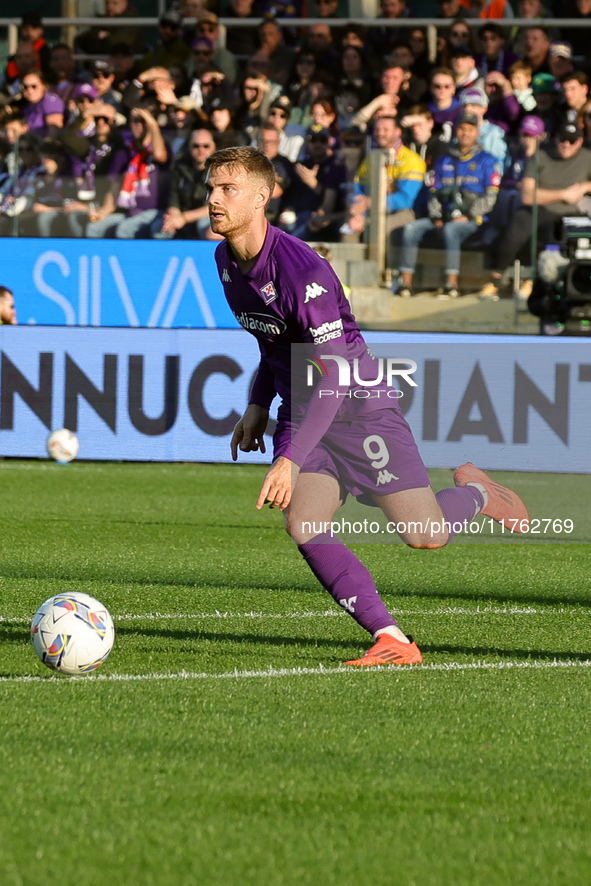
x=145 y=283
x=502 y=402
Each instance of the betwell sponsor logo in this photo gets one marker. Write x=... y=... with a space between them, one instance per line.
x=329 y=330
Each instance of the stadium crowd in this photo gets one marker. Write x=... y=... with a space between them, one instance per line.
x=109 y=137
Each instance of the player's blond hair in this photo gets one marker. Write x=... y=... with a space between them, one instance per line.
x=253 y=161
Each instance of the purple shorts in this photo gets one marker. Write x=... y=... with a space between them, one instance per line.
x=374 y=455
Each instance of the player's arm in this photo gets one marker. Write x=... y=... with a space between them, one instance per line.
x=249 y=433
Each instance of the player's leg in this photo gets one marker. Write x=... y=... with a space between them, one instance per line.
x=315 y=500
x=426 y=520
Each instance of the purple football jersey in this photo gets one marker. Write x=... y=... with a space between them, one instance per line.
x=292 y=296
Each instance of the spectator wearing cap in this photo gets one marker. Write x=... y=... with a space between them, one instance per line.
x=466 y=75
x=280 y=55
x=208 y=25
x=224 y=130
x=547 y=94
x=560 y=59
x=31 y=31
x=537 y=49
x=143 y=196
x=170 y=48
x=491 y=137
x=575 y=89
x=63 y=76
x=268 y=140
x=43 y=111
x=463 y=192
x=405 y=174
x=563 y=180
x=103 y=80
x=494 y=55
x=101 y=38
x=242 y=41
x=97 y=172
x=291 y=135
x=317 y=193
x=187 y=215
x=80 y=126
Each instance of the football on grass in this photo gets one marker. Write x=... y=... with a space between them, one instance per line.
x=72 y=633
x=62 y=446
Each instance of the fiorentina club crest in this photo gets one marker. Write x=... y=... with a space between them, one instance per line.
x=269 y=293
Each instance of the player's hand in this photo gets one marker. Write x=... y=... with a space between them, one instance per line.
x=249 y=433
x=278 y=484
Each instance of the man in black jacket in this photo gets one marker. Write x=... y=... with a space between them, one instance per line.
x=187 y=216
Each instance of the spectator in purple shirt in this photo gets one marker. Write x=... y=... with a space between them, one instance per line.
x=143 y=196
x=63 y=78
x=43 y=111
x=98 y=173
x=443 y=103
x=503 y=108
x=494 y=56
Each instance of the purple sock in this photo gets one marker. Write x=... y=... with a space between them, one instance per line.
x=347 y=580
x=459 y=504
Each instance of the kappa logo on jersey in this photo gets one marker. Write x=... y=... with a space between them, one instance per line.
x=265 y=323
x=349 y=604
x=326 y=332
x=313 y=290
x=225 y=276
x=385 y=477
x=269 y=293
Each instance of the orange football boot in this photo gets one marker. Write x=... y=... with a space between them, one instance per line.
x=502 y=504
x=389 y=650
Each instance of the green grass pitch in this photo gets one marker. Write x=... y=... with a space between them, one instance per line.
x=223 y=742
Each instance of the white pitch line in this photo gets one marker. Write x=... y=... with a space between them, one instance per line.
x=303 y=672
x=328 y=613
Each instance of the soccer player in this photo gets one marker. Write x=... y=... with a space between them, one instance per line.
x=7 y=309
x=282 y=292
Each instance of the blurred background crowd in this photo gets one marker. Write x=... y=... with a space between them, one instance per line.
x=107 y=135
